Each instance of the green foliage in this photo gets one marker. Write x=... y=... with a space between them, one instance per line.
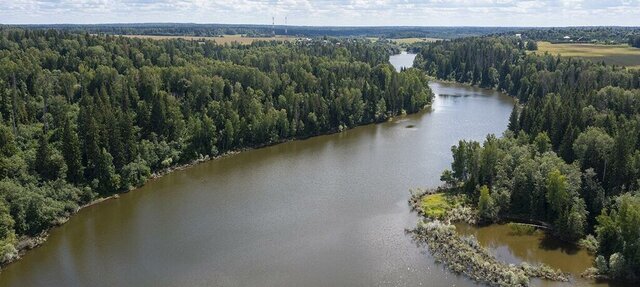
x=135 y=174
x=590 y=243
x=71 y=153
x=435 y=205
x=532 y=45
x=94 y=115
x=7 y=233
x=514 y=118
x=572 y=111
x=592 y=149
x=524 y=182
x=542 y=142
x=106 y=180
x=617 y=265
x=602 y=265
x=618 y=235
x=486 y=206
x=557 y=195
x=634 y=41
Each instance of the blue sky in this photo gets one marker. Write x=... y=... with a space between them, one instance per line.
x=328 y=12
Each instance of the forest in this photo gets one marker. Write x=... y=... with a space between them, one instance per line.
x=211 y=30
x=84 y=116
x=571 y=156
x=634 y=41
x=587 y=34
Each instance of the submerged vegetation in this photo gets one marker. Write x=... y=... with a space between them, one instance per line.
x=465 y=255
x=83 y=116
x=521 y=228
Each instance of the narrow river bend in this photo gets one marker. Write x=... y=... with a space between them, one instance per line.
x=327 y=211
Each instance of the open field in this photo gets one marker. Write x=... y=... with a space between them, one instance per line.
x=621 y=55
x=220 y=40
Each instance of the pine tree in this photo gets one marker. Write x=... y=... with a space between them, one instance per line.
x=514 y=122
x=107 y=179
x=71 y=153
x=43 y=154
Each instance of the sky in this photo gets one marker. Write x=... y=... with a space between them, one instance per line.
x=327 y=12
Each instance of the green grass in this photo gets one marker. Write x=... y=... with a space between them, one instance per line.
x=435 y=205
x=621 y=55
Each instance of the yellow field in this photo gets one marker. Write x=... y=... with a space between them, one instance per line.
x=621 y=55
x=219 y=40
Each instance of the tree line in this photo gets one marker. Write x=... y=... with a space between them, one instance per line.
x=634 y=41
x=212 y=30
x=84 y=116
x=595 y=34
x=571 y=155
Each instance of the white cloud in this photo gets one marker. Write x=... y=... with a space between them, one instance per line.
x=328 y=12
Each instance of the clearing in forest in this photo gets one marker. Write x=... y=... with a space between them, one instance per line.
x=621 y=55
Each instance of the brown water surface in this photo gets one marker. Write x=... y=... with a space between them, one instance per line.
x=327 y=211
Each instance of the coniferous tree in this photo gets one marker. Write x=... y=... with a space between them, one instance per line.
x=514 y=123
x=71 y=153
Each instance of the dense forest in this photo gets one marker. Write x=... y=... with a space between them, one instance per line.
x=604 y=35
x=634 y=41
x=83 y=116
x=571 y=156
x=182 y=29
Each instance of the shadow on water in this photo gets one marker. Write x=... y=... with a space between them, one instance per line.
x=550 y=243
x=534 y=248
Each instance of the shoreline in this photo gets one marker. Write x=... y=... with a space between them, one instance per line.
x=465 y=255
x=26 y=243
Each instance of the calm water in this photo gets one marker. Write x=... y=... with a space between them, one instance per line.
x=327 y=211
x=535 y=248
x=402 y=60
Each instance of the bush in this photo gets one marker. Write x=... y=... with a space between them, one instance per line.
x=590 y=243
x=617 y=266
x=602 y=265
x=135 y=174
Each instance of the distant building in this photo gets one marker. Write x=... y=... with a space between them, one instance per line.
x=519 y=36
x=567 y=38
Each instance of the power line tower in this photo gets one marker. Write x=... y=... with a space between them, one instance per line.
x=285 y=25
x=273 y=26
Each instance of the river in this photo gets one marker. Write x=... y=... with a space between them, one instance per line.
x=326 y=211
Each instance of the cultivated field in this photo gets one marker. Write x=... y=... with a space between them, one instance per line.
x=621 y=55
x=219 y=40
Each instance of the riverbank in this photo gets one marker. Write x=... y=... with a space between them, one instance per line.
x=222 y=212
x=440 y=208
x=26 y=243
x=464 y=255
